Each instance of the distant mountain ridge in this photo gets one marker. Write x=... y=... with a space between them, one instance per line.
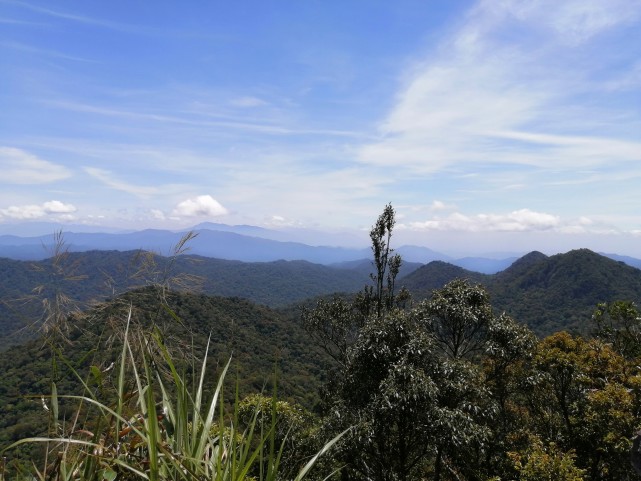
x=208 y=243
x=244 y=243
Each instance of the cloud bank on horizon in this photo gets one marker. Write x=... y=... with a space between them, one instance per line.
x=491 y=118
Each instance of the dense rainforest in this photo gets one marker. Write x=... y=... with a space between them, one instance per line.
x=429 y=375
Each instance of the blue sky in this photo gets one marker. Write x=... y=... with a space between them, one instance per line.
x=490 y=125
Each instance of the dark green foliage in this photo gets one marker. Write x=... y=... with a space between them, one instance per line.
x=546 y=293
x=435 y=275
x=406 y=379
x=412 y=384
x=335 y=324
x=159 y=424
x=619 y=323
x=458 y=317
x=389 y=395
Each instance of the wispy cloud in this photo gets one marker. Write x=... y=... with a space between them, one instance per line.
x=248 y=102
x=21 y=167
x=113 y=182
x=269 y=129
x=16 y=22
x=83 y=19
x=41 y=51
x=508 y=87
x=518 y=116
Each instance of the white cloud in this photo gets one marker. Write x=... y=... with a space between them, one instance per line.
x=440 y=206
x=200 y=206
x=508 y=87
x=57 y=207
x=574 y=21
x=280 y=221
x=157 y=214
x=20 y=167
x=28 y=212
x=579 y=20
x=23 y=212
x=516 y=221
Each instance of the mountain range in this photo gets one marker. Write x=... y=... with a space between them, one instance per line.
x=241 y=243
x=548 y=293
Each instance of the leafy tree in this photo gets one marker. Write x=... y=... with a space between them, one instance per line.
x=410 y=381
x=508 y=351
x=335 y=324
x=387 y=265
x=458 y=317
x=585 y=396
x=619 y=323
x=460 y=320
x=381 y=362
x=388 y=393
x=546 y=463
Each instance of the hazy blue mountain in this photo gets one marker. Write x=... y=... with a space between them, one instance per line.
x=209 y=243
x=484 y=265
x=244 y=229
x=631 y=261
x=291 y=234
x=244 y=243
x=422 y=255
x=366 y=266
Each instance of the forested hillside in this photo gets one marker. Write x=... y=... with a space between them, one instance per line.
x=86 y=278
x=257 y=339
x=548 y=294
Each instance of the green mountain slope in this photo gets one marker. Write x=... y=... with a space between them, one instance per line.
x=93 y=276
x=259 y=340
x=434 y=275
x=546 y=293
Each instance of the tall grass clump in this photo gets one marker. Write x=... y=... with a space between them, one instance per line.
x=158 y=427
